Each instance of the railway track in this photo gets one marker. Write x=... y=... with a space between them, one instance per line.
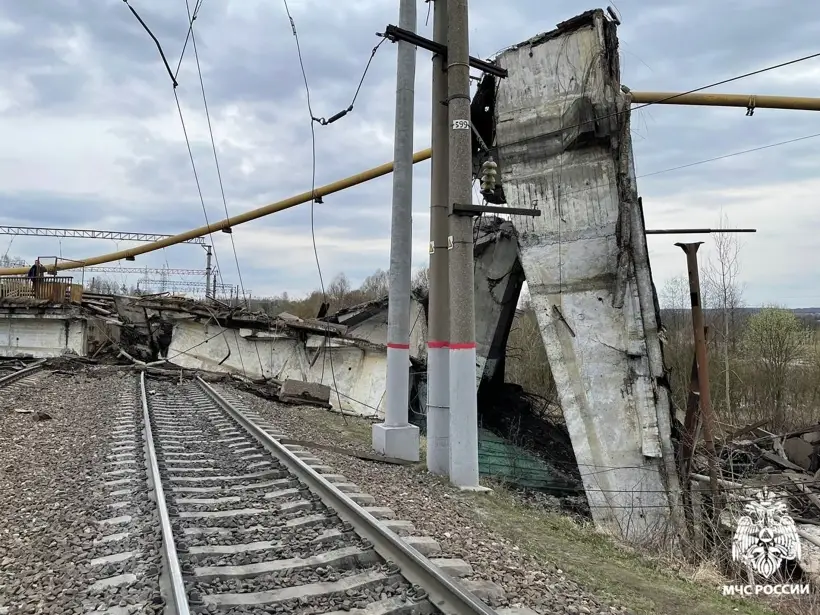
x=22 y=378
x=211 y=514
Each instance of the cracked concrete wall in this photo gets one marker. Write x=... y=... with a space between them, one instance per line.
x=360 y=368
x=41 y=334
x=358 y=373
x=564 y=148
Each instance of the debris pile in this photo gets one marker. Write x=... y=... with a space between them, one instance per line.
x=142 y=326
x=751 y=461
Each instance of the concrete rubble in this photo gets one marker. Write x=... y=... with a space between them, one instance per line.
x=337 y=360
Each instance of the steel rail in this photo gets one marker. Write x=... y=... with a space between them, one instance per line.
x=178 y=594
x=22 y=373
x=442 y=591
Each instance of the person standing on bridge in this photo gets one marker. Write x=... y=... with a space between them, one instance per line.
x=35 y=274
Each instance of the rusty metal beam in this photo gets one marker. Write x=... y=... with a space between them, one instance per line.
x=705 y=398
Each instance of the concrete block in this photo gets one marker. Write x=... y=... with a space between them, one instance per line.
x=311 y=393
x=398 y=442
x=455 y=568
x=515 y=610
x=424 y=544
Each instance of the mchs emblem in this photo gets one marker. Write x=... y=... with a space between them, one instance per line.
x=765 y=535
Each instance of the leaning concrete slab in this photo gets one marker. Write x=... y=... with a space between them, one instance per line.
x=564 y=147
x=498 y=281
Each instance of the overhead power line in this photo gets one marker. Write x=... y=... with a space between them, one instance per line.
x=191 y=18
x=378 y=172
x=314 y=200
x=181 y=117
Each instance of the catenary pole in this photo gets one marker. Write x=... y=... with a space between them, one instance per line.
x=438 y=326
x=463 y=406
x=396 y=437
x=208 y=272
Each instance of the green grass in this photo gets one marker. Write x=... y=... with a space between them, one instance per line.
x=644 y=585
x=600 y=565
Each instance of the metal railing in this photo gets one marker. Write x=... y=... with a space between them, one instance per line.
x=52 y=289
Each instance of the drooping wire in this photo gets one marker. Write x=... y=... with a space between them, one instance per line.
x=156 y=42
x=188 y=146
x=191 y=17
x=314 y=199
x=696 y=163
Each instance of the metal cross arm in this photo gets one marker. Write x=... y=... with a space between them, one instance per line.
x=394 y=34
x=462 y=209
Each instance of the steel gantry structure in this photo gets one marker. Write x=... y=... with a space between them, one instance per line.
x=39 y=231
x=144 y=270
x=183 y=285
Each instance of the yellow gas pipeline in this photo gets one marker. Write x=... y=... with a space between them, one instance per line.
x=745 y=101
x=260 y=212
x=666 y=98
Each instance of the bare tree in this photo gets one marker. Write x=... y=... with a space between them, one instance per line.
x=338 y=292
x=421 y=281
x=722 y=285
x=375 y=286
x=674 y=299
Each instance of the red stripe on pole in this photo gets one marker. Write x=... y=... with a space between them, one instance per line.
x=398 y=346
x=462 y=345
x=433 y=344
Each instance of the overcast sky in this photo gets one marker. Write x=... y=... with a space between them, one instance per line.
x=91 y=137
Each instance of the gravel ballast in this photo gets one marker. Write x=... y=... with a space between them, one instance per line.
x=436 y=511
x=54 y=436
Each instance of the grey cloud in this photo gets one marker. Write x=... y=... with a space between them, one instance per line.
x=250 y=66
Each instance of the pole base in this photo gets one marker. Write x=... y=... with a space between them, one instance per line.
x=399 y=442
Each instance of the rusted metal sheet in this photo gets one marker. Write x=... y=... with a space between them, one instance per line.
x=51 y=289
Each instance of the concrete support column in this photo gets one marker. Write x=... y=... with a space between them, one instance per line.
x=396 y=437
x=438 y=351
x=463 y=406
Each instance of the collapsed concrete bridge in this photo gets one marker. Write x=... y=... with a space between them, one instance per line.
x=558 y=126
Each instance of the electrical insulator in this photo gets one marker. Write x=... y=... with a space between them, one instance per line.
x=489 y=176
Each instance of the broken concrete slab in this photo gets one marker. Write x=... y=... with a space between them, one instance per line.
x=310 y=393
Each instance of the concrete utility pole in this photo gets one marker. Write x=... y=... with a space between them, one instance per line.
x=207 y=272
x=396 y=437
x=463 y=406
x=438 y=326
